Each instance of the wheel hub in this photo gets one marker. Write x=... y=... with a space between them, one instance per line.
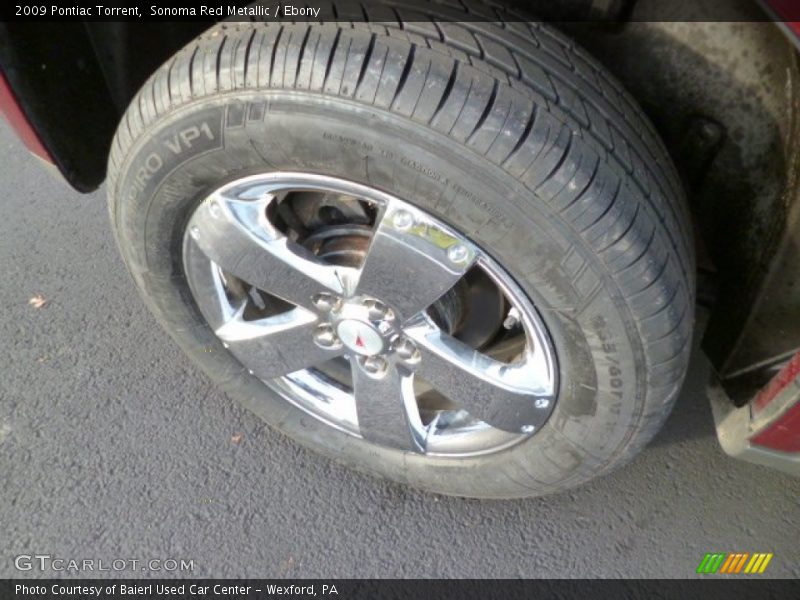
x=364 y=326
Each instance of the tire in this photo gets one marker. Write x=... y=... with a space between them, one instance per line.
x=507 y=133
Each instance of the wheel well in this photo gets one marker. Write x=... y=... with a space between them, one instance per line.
x=75 y=80
x=722 y=96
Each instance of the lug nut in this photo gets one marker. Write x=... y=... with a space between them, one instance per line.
x=325 y=336
x=541 y=403
x=378 y=311
x=325 y=301
x=407 y=351
x=374 y=365
x=458 y=253
x=403 y=220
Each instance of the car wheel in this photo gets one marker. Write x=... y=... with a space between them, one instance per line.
x=456 y=257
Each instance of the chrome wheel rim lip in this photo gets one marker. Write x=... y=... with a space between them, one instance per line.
x=452 y=433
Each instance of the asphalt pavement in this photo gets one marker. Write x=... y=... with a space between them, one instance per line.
x=114 y=446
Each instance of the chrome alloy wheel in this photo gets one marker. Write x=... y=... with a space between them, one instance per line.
x=362 y=310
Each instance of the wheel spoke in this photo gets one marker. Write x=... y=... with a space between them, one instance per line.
x=413 y=260
x=208 y=286
x=386 y=407
x=501 y=394
x=276 y=345
x=238 y=237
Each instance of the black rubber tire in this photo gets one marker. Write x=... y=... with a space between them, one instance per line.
x=508 y=132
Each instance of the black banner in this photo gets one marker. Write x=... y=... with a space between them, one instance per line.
x=351 y=589
x=387 y=10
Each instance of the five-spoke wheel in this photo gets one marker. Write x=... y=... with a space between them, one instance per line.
x=372 y=332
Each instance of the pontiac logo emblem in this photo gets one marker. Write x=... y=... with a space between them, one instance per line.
x=360 y=337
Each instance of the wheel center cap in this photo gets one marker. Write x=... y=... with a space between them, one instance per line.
x=360 y=337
